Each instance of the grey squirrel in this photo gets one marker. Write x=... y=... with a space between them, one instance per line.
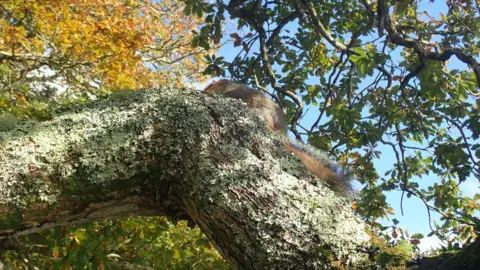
x=315 y=160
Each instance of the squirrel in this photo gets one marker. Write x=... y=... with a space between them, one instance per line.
x=258 y=102
x=314 y=160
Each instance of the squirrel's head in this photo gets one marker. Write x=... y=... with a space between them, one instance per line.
x=217 y=87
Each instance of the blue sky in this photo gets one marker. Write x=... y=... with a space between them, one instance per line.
x=415 y=218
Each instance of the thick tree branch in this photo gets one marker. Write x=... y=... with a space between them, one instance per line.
x=181 y=154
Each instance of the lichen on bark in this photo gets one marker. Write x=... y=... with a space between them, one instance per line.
x=247 y=174
x=184 y=154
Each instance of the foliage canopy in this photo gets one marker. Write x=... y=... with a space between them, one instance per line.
x=381 y=76
x=89 y=47
x=84 y=49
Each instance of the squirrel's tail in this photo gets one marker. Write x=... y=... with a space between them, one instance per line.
x=322 y=167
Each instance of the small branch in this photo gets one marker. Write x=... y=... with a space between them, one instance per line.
x=397 y=39
x=307 y=6
x=248 y=15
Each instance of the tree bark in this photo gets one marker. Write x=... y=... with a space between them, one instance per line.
x=181 y=154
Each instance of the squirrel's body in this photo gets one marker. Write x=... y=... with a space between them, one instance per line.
x=315 y=161
x=258 y=102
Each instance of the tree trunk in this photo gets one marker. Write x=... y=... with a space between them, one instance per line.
x=181 y=154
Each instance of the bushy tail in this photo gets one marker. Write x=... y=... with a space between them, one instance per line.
x=322 y=167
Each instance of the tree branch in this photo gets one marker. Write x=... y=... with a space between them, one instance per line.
x=181 y=154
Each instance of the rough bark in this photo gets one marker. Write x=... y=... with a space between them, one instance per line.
x=181 y=154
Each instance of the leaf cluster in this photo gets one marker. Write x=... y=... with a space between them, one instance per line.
x=152 y=243
x=379 y=79
x=84 y=48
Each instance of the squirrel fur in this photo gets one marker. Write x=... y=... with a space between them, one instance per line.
x=258 y=102
x=314 y=160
